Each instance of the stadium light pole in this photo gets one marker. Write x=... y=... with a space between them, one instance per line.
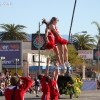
x=1 y=58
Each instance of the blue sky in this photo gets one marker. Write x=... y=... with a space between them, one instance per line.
x=30 y=12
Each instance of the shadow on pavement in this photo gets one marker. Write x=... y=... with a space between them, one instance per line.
x=32 y=98
x=39 y=98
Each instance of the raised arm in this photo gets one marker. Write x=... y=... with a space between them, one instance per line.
x=53 y=74
x=56 y=71
x=46 y=34
x=27 y=82
x=47 y=70
x=47 y=67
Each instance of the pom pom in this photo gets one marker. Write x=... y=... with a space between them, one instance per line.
x=49 y=45
x=62 y=41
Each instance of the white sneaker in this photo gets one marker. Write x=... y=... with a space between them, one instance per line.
x=62 y=66
x=67 y=64
x=55 y=67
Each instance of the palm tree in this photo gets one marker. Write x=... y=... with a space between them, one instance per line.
x=98 y=26
x=84 y=41
x=37 y=32
x=97 y=36
x=13 y=32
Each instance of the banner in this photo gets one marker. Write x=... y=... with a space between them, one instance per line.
x=96 y=54
x=35 y=42
x=86 y=54
x=11 y=50
x=89 y=85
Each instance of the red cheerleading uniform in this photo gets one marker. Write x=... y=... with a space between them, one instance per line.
x=50 y=44
x=54 y=39
x=54 y=91
x=45 y=89
x=59 y=39
x=20 y=91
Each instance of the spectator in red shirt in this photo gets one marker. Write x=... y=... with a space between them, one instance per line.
x=19 y=85
x=44 y=83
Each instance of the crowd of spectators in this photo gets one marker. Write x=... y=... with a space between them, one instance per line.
x=5 y=82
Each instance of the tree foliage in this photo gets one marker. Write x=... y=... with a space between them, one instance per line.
x=98 y=35
x=49 y=53
x=13 y=32
x=98 y=26
x=84 y=41
x=73 y=57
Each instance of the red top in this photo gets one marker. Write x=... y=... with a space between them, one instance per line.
x=19 y=93
x=59 y=39
x=54 y=39
x=56 y=36
x=45 y=86
x=53 y=88
x=50 y=44
x=50 y=36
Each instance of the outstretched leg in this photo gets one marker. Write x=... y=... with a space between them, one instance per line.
x=56 y=50
x=61 y=52
x=62 y=65
x=65 y=53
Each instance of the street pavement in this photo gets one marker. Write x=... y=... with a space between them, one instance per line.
x=85 y=95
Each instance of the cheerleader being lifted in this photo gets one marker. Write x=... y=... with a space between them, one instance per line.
x=56 y=42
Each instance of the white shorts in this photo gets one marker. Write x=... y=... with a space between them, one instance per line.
x=37 y=88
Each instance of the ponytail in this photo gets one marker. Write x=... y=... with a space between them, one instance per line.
x=44 y=21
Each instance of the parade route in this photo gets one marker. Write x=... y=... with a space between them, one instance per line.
x=85 y=95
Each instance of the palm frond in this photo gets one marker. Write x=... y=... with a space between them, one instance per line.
x=97 y=24
x=13 y=32
x=84 y=41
